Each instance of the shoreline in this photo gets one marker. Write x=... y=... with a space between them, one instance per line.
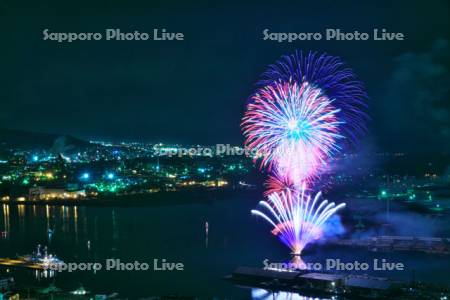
x=136 y=200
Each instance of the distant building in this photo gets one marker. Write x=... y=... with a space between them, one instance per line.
x=5 y=284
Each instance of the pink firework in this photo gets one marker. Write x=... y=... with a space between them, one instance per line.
x=277 y=183
x=293 y=128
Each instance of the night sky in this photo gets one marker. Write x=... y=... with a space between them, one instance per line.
x=194 y=91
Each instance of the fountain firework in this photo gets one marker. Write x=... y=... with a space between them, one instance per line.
x=296 y=217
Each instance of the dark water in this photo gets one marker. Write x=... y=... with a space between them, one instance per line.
x=177 y=234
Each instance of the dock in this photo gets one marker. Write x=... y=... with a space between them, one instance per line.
x=19 y=263
x=314 y=283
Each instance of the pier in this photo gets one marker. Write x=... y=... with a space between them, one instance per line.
x=19 y=263
x=315 y=283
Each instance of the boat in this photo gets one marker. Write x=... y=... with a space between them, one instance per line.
x=80 y=291
x=41 y=257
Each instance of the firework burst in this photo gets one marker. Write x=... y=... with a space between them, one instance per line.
x=276 y=183
x=292 y=126
x=333 y=77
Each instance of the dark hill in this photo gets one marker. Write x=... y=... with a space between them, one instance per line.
x=27 y=140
